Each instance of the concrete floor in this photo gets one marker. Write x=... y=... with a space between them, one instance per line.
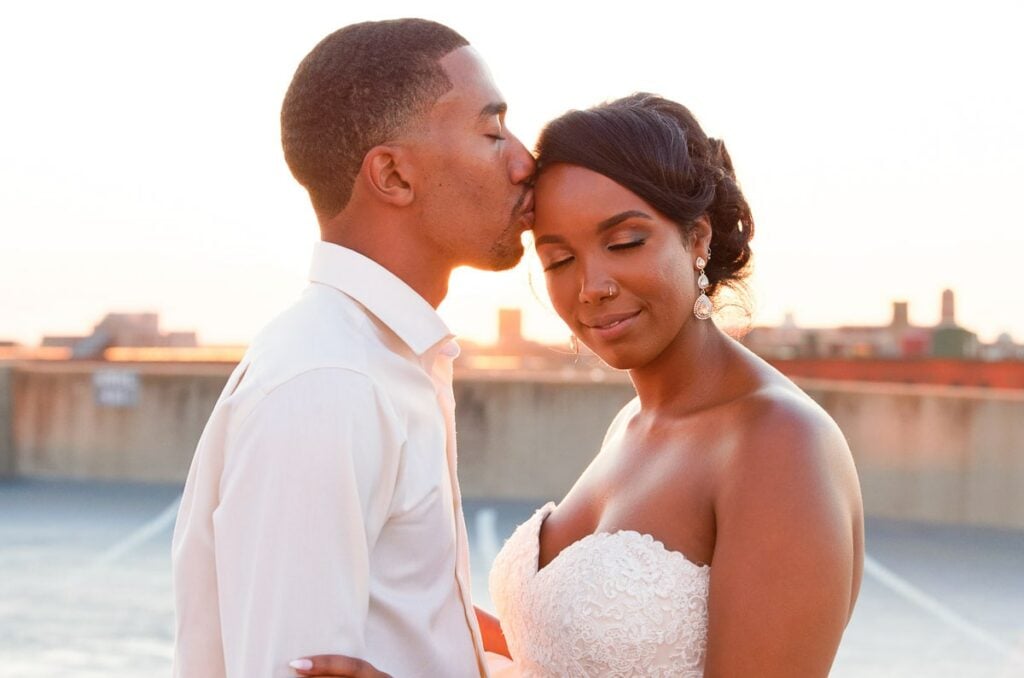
x=85 y=587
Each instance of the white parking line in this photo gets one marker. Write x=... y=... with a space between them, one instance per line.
x=140 y=536
x=486 y=536
x=487 y=544
x=936 y=609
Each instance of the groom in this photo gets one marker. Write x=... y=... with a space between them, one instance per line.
x=322 y=510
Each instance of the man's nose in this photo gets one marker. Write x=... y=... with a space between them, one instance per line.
x=521 y=164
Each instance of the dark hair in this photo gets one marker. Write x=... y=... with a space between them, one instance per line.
x=358 y=87
x=656 y=149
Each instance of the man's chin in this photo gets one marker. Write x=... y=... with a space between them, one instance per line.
x=506 y=254
x=500 y=259
x=507 y=260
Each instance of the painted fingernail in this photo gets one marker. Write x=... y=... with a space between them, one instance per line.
x=301 y=664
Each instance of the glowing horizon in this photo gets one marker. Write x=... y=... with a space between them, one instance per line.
x=878 y=144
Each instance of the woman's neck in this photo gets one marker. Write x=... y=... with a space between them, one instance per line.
x=689 y=374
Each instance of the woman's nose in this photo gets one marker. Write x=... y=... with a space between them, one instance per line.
x=597 y=288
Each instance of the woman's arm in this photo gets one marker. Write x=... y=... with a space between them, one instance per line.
x=337 y=666
x=490 y=631
x=788 y=551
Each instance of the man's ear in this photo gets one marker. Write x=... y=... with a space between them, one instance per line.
x=384 y=174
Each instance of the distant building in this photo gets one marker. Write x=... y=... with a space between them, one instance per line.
x=949 y=340
x=514 y=352
x=54 y=341
x=510 y=328
x=136 y=330
x=897 y=340
x=1004 y=348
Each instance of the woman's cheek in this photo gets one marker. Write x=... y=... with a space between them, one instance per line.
x=560 y=298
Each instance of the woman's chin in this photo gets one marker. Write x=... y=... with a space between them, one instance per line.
x=617 y=358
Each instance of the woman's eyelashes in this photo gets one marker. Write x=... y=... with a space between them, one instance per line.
x=627 y=245
x=557 y=263
x=614 y=247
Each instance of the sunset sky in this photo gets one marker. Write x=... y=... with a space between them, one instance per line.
x=881 y=146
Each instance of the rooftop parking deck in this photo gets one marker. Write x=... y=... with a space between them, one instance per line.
x=85 y=587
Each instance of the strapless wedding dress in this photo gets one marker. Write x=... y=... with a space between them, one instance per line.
x=611 y=604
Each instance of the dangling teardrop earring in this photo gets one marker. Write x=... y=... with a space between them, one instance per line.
x=702 y=308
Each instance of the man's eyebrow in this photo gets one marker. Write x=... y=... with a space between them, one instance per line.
x=602 y=226
x=493 y=108
x=620 y=217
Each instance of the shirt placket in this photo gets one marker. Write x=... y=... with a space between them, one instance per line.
x=442 y=373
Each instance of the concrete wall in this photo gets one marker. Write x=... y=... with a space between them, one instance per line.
x=933 y=453
x=530 y=439
x=942 y=454
x=61 y=430
x=7 y=458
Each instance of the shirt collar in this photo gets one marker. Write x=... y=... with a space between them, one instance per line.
x=382 y=293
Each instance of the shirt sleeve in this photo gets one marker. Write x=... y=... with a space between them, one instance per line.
x=308 y=478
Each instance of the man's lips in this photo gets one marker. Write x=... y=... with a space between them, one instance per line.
x=525 y=208
x=527 y=201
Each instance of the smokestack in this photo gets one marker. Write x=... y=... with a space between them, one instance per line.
x=900 y=315
x=510 y=327
x=948 y=309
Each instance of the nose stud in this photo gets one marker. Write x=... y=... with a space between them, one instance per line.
x=588 y=295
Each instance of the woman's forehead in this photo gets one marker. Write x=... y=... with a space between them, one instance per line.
x=570 y=190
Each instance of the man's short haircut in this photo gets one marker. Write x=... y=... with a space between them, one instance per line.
x=357 y=89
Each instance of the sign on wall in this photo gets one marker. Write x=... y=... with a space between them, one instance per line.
x=116 y=388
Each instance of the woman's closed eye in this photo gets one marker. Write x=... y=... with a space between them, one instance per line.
x=557 y=263
x=614 y=247
x=627 y=245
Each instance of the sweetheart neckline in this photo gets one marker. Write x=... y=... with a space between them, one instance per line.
x=644 y=537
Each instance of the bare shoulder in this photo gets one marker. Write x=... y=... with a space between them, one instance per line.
x=788 y=494
x=789 y=450
x=789 y=535
x=774 y=424
x=780 y=424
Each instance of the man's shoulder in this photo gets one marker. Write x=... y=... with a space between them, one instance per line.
x=324 y=328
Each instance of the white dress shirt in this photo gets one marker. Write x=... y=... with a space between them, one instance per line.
x=322 y=512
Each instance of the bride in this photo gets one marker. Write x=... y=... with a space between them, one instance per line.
x=719 y=530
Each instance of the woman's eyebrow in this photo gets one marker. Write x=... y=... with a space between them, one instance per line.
x=620 y=217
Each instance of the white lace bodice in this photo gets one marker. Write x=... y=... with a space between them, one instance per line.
x=611 y=604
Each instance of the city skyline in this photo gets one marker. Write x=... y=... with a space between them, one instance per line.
x=877 y=144
x=145 y=329
x=489 y=334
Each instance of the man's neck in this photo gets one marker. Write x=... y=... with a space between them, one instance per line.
x=384 y=244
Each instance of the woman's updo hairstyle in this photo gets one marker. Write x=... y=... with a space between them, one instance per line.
x=655 y=148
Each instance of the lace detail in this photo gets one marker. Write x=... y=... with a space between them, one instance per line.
x=611 y=604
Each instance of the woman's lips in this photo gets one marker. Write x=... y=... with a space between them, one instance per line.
x=610 y=326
